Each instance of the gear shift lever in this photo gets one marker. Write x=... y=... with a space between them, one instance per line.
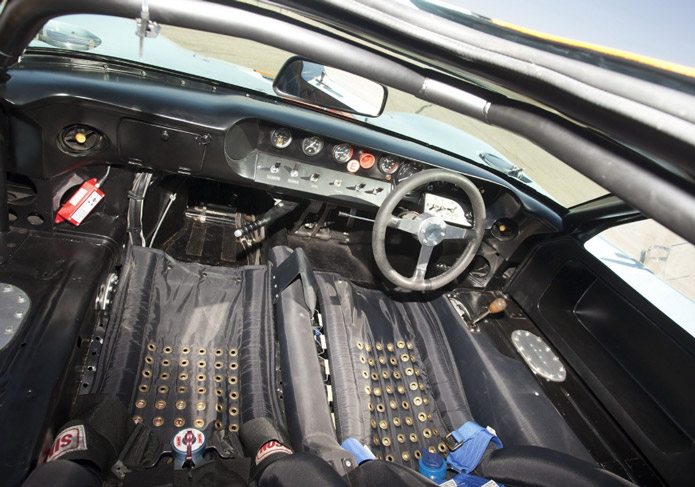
x=497 y=306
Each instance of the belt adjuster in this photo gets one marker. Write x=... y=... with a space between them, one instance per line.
x=451 y=442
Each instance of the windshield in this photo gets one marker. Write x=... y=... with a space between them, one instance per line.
x=253 y=65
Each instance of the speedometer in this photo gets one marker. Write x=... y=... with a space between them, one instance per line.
x=388 y=164
x=280 y=137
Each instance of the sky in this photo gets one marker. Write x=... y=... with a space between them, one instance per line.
x=663 y=30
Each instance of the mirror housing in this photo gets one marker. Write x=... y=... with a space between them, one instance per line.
x=329 y=88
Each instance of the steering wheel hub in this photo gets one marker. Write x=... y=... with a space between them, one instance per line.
x=432 y=231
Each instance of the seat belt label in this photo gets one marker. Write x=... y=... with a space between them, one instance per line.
x=68 y=440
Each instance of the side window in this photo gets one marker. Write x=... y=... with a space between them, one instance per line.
x=659 y=264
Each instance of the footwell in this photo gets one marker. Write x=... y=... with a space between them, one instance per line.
x=190 y=345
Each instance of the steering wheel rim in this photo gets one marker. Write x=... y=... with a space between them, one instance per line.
x=428 y=225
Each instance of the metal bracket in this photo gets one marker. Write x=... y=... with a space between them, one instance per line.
x=296 y=265
x=15 y=304
x=145 y=26
x=463 y=314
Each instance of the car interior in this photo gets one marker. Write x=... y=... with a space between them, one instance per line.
x=256 y=258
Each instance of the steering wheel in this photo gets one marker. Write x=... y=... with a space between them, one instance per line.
x=430 y=230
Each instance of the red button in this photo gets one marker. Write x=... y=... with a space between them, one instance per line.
x=367 y=160
x=353 y=165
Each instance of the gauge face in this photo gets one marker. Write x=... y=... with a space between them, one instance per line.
x=280 y=137
x=407 y=169
x=342 y=153
x=312 y=145
x=388 y=164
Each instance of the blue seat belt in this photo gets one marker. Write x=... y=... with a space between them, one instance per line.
x=467 y=445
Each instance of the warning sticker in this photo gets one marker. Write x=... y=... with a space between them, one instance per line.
x=68 y=440
x=86 y=207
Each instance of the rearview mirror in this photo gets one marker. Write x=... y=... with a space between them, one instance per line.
x=331 y=88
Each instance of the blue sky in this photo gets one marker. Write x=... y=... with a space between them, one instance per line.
x=664 y=30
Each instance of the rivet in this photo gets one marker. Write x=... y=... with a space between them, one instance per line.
x=234 y=365
x=417 y=400
x=200 y=406
x=400 y=344
x=164 y=375
x=427 y=433
x=421 y=386
x=218 y=425
x=201 y=390
x=201 y=363
x=405 y=456
x=435 y=431
x=386 y=441
x=140 y=403
x=233 y=411
x=417 y=372
x=389 y=389
x=219 y=365
x=144 y=388
x=218 y=352
x=400 y=389
x=233 y=352
x=413 y=437
x=183 y=376
x=158 y=421
x=409 y=346
x=185 y=350
x=409 y=371
x=376 y=441
x=383 y=424
x=219 y=408
x=180 y=405
x=405 y=405
x=233 y=395
x=393 y=404
x=393 y=361
x=149 y=360
x=379 y=346
x=218 y=378
x=441 y=447
x=359 y=345
x=371 y=362
x=367 y=389
x=151 y=347
x=367 y=347
x=375 y=376
x=396 y=374
x=201 y=351
x=184 y=363
x=425 y=401
x=146 y=373
x=201 y=377
x=232 y=380
x=401 y=438
x=376 y=391
x=385 y=374
x=365 y=374
x=405 y=357
x=397 y=421
x=167 y=349
x=389 y=458
x=373 y=423
x=137 y=419
x=362 y=359
x=160 y=404
x=380 y=408
x=413 y=386
x=370 y=406
x=432 y=449
x=163 y=389
x=429 y=416
x=219 y=393
x=417 y=454
x=382 y=360
x=389 y=347
x=422 y=417
x=199 y=423
x=233 y=427
x=408 y=420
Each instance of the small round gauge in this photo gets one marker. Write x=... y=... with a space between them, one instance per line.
x=312 y=145
x=280 y=137
x=406 y=170
x=388 y=164
x=342 y=153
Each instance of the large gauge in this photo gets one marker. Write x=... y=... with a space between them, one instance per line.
x=280 y=137
x=342 y=153
x=388 y=164
x=407 y=169
x=312 y=145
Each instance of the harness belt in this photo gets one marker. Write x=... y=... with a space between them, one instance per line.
x=467 y=445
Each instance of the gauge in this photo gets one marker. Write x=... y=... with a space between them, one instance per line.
x=342 y=153
x=367 y=160
x=407 y=169
x=280 y=137
x=312 y=145
x=388 y=164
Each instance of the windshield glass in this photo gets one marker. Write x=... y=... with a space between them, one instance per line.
x=253 y=65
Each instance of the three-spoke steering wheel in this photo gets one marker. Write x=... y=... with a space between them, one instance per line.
x=430 y=230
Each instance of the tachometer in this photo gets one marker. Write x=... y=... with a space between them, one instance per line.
x=406 y=170
x=312 y=145
x=342 y=153
x=280 y=137
x=388 y=164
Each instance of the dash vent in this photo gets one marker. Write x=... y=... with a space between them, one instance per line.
x=80 y=139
